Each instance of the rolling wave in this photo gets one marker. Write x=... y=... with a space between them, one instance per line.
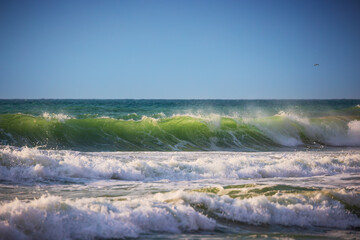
x=178 y=133
x=34 y=165
x=52 y=217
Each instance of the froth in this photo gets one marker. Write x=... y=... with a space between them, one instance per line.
x=318 y=209
x=26 y=164
x=51 y=217
x=60 y=116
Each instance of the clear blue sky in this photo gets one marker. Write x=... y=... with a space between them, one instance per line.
x=180 y=49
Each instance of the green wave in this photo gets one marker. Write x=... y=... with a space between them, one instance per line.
x=184 y=133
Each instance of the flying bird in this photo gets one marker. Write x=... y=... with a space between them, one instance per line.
x=316 y=64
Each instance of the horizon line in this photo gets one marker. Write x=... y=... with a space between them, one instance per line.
x=183 y=99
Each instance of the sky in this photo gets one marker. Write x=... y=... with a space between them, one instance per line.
x=180 y=49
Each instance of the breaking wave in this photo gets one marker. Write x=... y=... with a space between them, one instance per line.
x=52 y=217
x=178 y=133
x=31 y=164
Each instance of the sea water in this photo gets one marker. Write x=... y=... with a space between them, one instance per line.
x=179 y=169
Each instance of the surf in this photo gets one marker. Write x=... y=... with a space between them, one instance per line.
x=179 y=132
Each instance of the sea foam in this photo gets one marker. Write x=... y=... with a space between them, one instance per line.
x=31 y=164
x=59 y=116
x=52 y=217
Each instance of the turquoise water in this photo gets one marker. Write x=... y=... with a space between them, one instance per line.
x=179 y=169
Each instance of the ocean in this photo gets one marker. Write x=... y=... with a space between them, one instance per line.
x=179 y=169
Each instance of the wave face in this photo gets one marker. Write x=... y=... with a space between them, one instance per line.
x=183 y=132
x=179 y=125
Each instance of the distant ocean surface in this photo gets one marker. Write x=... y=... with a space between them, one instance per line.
x=179 y=169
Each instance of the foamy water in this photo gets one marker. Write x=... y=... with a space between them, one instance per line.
x=77 y=195
x=174 y=169
x=31 y=164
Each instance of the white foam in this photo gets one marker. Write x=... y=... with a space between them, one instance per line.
x=51 y=217
x=59 y=116
x=24 y=164
x=317 y=209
